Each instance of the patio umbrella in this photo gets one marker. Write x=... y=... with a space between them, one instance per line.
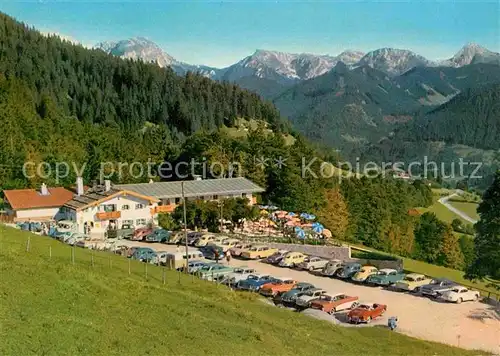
x=264 y=212
x=317 y=224
x=327 y=233
x=281 y=214
x=291 y=213
x=300 y=233
x=290 y=223
x=310 y=217
x=272 y=207
x=304 y=215
x=318 y=229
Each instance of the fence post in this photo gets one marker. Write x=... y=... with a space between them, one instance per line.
x=179 y=275
x=146 y=270
x=92 y=258
x=163 y=274
x=28 y=244
x=73 y=254
x=129 y=266
x=50 y=252
x=110 y=262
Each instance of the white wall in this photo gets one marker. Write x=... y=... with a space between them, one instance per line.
x=89 y=214
x=36 y=213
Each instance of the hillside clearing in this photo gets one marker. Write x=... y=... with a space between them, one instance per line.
x=50 y=306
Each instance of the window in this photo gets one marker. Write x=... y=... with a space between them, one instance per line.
x=140 y=222
x=216 y=197
x=139 y=206
x=177 y=200
x=244 y=195
x=108 y=208
x=125 y=207
x=127 y=223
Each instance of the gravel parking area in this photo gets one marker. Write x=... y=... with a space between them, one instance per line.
x=469 y=325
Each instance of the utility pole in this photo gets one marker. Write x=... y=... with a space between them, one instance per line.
x=221 y=204
x=185 y=227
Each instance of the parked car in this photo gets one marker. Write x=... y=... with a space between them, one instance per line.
x=385 y=277
x=305 y=300
x=239 y=274
x=204 y=240
x=289 y=298
x=75 y=237
x=292 y=259
x=366 y=312
x=227 y=244
x=437 y=287
x=143 y=254
x=349 y=270
x=238 y=249
x=460 y=294
x=160 y=258
x=276 y=257
x=209 y=251
x=212 y=271
x=141 y=233
x=312 y=263
x=192 y=238
x=279 y=286
x=194 y=266
x=364 y=273
x=254 y=282
x=412 y=282
x=218 y=240
x=178 y=260
x=258 y=252
x=331 y=268
x=158 y=235
x=126 y=232
x=332 y=303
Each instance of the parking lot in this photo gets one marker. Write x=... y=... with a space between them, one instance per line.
x=472 y=325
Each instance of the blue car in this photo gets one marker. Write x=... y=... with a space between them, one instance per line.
x=254 y=282
x=143 y=254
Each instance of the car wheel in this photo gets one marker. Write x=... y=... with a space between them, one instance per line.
x=459 y=300
x=416 y=290
x=369 y=320
x=311 y=269
x=476 y=297
x=292 y=265
x=354 y=305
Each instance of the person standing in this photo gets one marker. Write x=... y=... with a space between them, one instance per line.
x=216 y=255
x=228 y=256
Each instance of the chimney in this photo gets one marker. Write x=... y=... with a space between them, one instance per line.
x=79 y=186
x=44 y=190
x=107 y=185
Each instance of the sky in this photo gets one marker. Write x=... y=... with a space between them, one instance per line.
x=220 y=33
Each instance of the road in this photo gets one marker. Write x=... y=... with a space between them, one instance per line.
x=450 y=207
x=469 y=325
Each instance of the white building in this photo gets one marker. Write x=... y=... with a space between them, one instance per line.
x=36 y=205
x=105 y=207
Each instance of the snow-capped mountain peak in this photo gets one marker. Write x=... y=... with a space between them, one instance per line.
x=471 y=53
x=394 y=61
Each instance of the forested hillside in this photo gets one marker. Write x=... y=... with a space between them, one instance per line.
x=102 y=89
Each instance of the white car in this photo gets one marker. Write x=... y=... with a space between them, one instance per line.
x=239 y=274
x=228 y=244
x=304 y=301
x=460 y=294
x=160 y=258
x=312 y=263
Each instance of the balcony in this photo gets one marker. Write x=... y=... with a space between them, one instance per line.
x=163 y=209
x=108 y=215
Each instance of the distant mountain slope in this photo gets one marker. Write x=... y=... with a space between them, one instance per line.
x=472 y=53
x=140 y=48
x=346 y=106
x=471 y=118
x=394 y=61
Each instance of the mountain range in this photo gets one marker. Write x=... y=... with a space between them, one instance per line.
x=289 y=68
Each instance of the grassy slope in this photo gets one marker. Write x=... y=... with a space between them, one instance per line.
x=468 y=208
x=442 y=212
x=49 y=306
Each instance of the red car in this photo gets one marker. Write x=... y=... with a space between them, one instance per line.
x=364 y=313
x=141 y=233
x=333 y=303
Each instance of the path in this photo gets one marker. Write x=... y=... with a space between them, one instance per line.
x=450 y=207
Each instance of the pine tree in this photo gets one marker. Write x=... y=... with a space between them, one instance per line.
x=487 y=240
x=334 y=215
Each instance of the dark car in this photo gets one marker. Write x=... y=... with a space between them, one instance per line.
x=158 y=235
x=436 y=287
x=192 y=237
x=349 y=270
x=275 y=258
x=209 y=252
x=288 y=298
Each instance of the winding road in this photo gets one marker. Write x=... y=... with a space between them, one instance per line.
x=450 y=207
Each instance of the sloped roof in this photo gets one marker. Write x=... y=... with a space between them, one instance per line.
x=94 y=196
x=32 y=199
x=194 y=188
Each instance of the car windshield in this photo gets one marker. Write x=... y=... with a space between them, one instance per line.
x=254 y=277
x=239 y=270
x=410 y=279
x=364 y=306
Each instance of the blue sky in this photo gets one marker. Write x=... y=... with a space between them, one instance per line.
x=221 y=33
